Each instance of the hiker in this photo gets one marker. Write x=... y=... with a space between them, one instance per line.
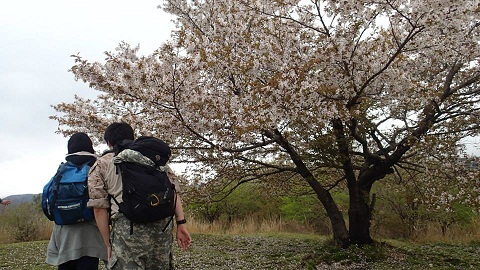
x=80 y=245
x=5 y=202
x=131 y=245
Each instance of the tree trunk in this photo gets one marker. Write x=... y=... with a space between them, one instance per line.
x=360 y=210
x=339 y=229
x=340 y=232
x=359 y=214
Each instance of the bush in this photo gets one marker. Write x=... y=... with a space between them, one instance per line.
x=305 y=210
x=246 y=201
x=24 y=223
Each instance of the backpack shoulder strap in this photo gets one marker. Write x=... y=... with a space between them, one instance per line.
x=171 y=218
x=108 y=152
x=56 y=181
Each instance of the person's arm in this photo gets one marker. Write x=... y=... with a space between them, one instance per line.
x=101 y=217
x=183 y=237
x=5 y=202
x=99 y=201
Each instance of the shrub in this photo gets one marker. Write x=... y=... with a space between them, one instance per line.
x=23 y=223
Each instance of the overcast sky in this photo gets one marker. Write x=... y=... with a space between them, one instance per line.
x=36 y=41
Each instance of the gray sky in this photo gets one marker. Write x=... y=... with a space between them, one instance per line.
x=36 y=41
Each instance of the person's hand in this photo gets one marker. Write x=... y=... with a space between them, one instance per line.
x=6 y=202
x=183 y=237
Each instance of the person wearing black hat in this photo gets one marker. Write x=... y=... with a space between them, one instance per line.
x=77 y=246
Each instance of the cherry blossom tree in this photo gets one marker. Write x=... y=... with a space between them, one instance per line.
x=329 y=94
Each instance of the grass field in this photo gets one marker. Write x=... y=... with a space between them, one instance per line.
x=281 y=251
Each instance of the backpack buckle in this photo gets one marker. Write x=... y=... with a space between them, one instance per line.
x=152 y=202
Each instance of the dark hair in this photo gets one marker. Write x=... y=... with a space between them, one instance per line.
x=79 y=142
x=117 y=132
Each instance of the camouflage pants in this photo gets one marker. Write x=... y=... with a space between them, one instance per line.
x=146 y=248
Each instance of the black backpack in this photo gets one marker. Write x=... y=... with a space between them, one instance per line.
x=148 y=194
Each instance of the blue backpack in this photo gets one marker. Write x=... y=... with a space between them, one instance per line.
x=65 y=196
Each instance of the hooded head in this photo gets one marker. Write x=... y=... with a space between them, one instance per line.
x=80 y=142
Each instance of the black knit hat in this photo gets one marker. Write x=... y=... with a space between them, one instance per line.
x=80 y=142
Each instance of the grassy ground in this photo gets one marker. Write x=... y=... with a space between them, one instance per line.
x=282 y=251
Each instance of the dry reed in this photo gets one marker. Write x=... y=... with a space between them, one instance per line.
x=453 y=235
x=247 y=226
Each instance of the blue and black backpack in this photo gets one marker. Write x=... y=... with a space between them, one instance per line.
x=65 y=196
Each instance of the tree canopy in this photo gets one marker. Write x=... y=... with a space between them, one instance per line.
x=325 y=93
